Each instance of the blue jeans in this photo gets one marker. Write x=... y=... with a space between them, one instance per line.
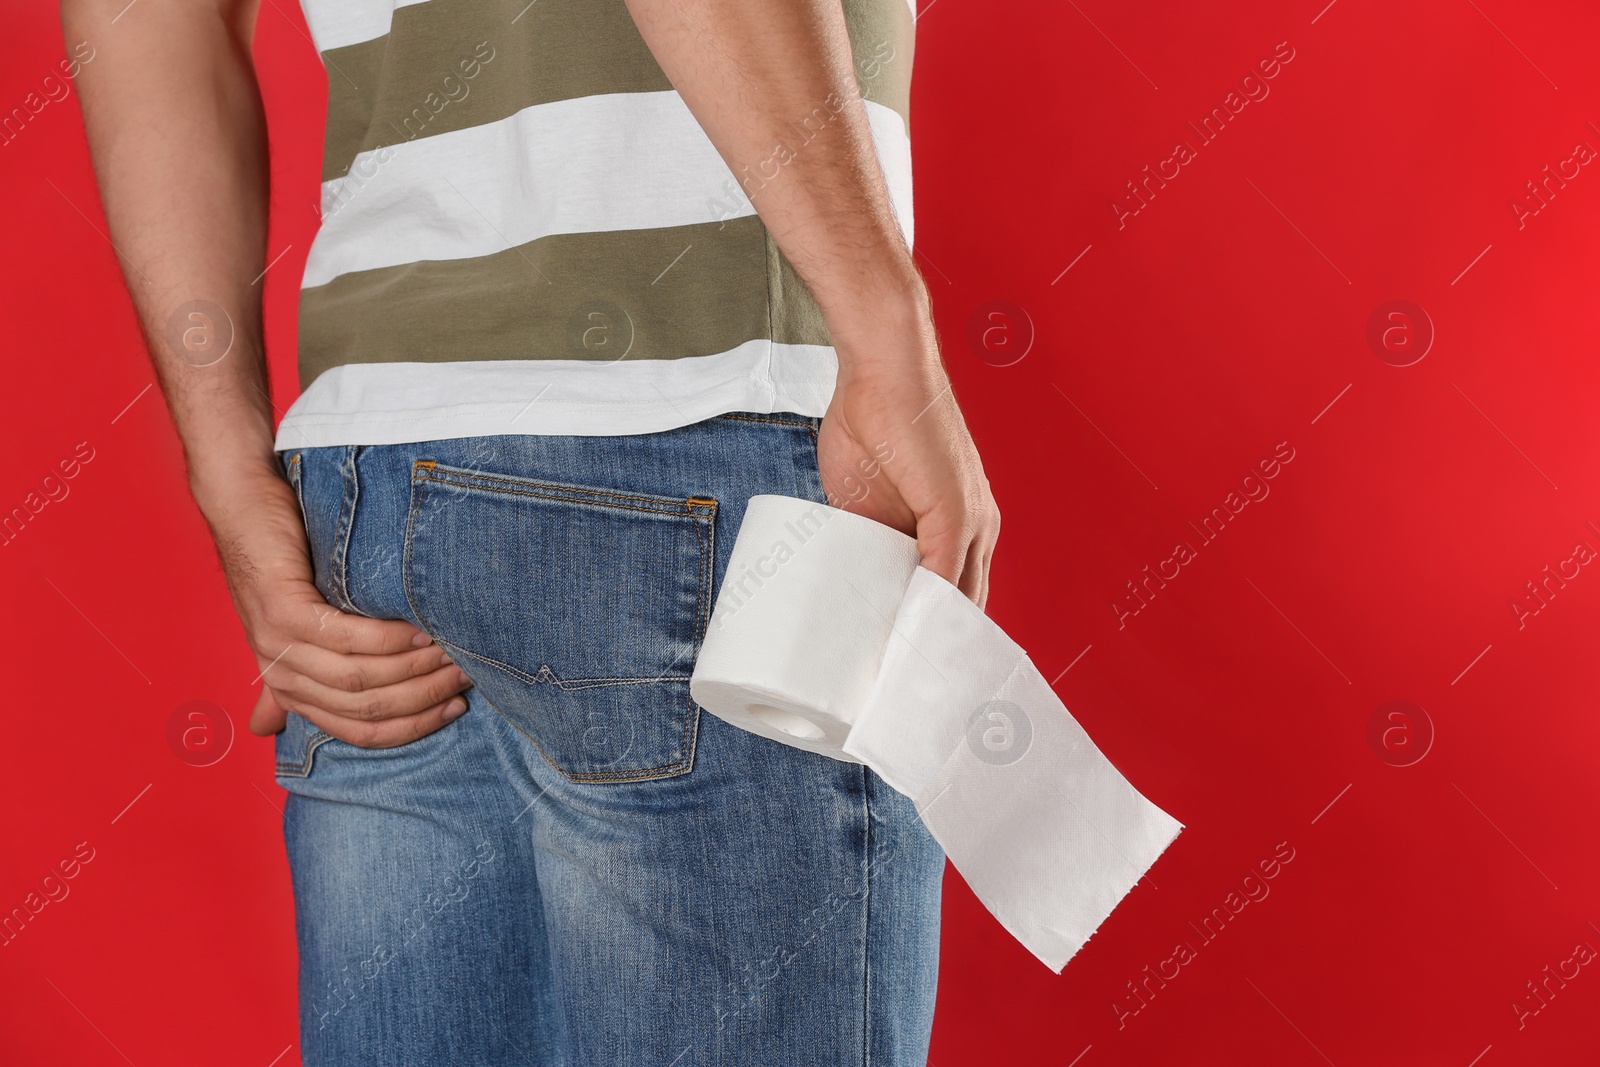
x=585 y=868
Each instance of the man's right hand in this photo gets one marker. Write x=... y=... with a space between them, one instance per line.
x=374 y=683
x=192 y=226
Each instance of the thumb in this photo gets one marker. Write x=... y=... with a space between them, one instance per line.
x=268 y=717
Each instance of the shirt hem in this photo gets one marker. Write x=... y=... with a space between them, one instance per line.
x=403 y=403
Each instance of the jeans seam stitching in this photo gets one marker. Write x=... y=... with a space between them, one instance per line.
x=648 y=774
x=303 y=770
x=866 y=924
x=347 y=515
x=775 y=422
x=672 y=511
x=565 y=685
x=405 y=555
x=664 y=505
x=707 y=572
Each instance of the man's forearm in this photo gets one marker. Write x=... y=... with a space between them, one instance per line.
x=176 y=132
x=750 y=72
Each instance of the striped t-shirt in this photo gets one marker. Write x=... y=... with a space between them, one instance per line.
x=524 y=229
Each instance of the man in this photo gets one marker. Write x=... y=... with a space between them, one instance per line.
x=591 y=274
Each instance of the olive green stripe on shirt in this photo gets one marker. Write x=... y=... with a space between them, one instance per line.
x=654 y=294
x=448 y=65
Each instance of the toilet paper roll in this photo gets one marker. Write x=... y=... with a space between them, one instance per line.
x=804 y=613
x=828 y=636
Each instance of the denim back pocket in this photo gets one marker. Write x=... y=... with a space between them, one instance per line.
x=577 y=611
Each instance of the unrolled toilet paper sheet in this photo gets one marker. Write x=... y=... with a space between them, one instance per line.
x=829 y=637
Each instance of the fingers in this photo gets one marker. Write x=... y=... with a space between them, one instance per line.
x=981 y=553
x=369 y=681
x=387 y=733
x=975 y=573
x=959 y=551
x=268 y=717
x=944 y=551
x=396 y=701
x=328 y=627
x=369 y=699
x=355 y=673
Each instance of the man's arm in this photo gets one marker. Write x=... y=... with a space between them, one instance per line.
x=747 y=70
x=176 y=132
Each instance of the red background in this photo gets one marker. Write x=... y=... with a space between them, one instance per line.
x=1222 y=319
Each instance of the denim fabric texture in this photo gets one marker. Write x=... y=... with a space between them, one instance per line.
x=586 y=868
